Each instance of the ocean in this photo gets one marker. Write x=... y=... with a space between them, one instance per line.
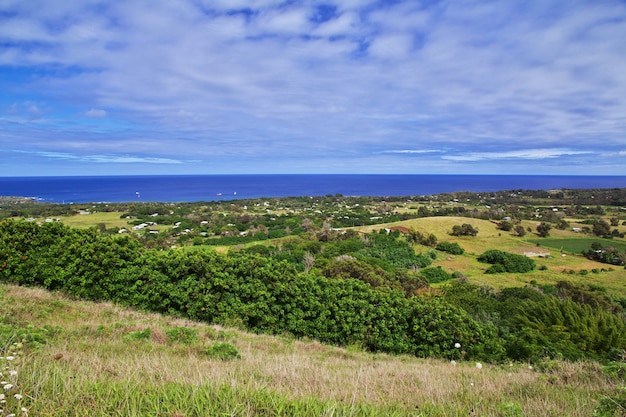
x=191 y=188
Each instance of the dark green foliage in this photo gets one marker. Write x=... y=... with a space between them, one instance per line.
x=435 y=275
x=393 y=250
x=450 y=247
x=601 y=228
x=543 y=229
x=505 y=225
x=506 y=262
x=564 y=329
x=368 y=298
x=608 y=255
x=421 y=238
x=465 y=229
x=587 y=295
x=562 y=224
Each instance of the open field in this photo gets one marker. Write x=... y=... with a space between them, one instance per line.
x=102 y=360
x=578 y=244
x=110 y=220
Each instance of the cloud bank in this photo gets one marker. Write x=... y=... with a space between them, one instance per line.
x=355 y=86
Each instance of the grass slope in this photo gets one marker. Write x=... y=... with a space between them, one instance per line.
x=103 y=360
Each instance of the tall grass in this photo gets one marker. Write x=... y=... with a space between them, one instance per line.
x=93 y=359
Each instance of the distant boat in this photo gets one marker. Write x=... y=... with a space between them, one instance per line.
x=219 y=194
x=235 y=193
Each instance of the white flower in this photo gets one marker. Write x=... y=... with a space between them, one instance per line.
x=8 y=387
x=479 y=365
x=18 y=396
x=13 y=373
x=24 y=410
x=10 y=358
x=453 y=362
x=457 y=345
x=2 y=396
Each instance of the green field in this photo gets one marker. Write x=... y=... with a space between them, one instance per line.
x=578 y=245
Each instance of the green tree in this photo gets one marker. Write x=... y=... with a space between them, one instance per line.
x=543 y=229
x=465 y=229
x=601 y=228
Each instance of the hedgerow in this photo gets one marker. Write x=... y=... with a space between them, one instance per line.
x=266 y=295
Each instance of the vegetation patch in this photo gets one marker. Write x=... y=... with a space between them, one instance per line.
x=435 y=275
x=452 y=248
x=506 y=262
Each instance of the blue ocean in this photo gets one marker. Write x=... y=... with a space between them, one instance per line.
x=230 y=187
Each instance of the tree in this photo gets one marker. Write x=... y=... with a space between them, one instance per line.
x=544 y=229
x=601 y=228
x=505 y=225
x=308 y=260
x=520 y=231
x=465 y=229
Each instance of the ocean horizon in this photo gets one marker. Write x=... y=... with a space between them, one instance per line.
x=193 y=188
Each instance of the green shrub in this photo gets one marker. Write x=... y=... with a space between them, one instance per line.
x=451 y=248
x=181 y=334
x=435 y=274
x=506 y=262
x=222 y=351
x=139 y=334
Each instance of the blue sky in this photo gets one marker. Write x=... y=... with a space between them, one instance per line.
x=355 y=86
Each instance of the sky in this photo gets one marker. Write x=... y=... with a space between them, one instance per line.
x=91 y=87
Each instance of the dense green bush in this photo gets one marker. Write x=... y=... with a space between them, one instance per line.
x=465 y=229
x=564 y=329
x=435 y=274
x=450 y=247
x=506 y=262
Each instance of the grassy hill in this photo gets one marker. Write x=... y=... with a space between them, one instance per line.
x=76 y=358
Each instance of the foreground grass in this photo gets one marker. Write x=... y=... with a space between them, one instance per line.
x=83 y=358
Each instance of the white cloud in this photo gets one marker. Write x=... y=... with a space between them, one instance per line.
x=96 y=113
x=519 y=154
x=391 y=46
x=116 y=159
x=414 y=151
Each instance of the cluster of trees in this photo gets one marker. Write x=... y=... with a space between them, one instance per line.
x=341 y=300
x=465 y=229
x=607 y=255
